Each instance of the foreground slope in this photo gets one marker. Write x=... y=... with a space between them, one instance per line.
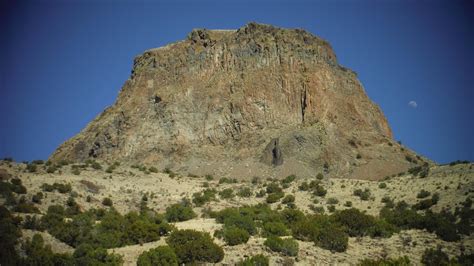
x=256 y=101
x=126 y=187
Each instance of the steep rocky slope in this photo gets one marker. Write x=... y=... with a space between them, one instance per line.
x=257 y=101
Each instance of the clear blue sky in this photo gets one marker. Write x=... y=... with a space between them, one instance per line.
x=63 y=62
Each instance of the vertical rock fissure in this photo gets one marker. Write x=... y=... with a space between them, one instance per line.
x=304 y=103
x=277 y=159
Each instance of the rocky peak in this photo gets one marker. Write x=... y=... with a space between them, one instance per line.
x=257 y=101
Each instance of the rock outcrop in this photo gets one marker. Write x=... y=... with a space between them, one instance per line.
x=257 y=101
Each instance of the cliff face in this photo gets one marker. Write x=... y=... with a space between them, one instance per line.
x=257 y=101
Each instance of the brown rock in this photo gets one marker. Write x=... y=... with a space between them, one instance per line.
x=257 y=101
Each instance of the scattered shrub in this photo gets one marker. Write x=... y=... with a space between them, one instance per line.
x=288 y=179
x=47 y=187
x=234 y=235
x=320 y=191
x=320 y=176
x=245 y=192
x=435 y=257
x=332 y=201
x=31 y=168
x=427 y=203
x=331 y=208
x=227 y=193
x=423 y=194
x=362 y=194
x=201 y=198
x=275 y=229
x=107 y=202
x=274 y=197
x=76 y=171
x=179 y=212
x=226 y=180
x=273 y=188
x=15 y=185
x=33 y=223
x=95 y=165
x=348 y=204
x=153 y=169
x=382 y=185
x=162 y=255
x=288 y=199
x=261 y=193
x=322 y=231
x=287 y=246
x=191 y=246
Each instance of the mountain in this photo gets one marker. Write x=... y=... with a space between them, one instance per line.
x=257 y=101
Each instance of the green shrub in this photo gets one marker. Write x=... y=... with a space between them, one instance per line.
x=153 y=169
x=51 y=169
x=107 y=202
x=274 y=188
x=179 y=212
x=37 y=197
x=423 y=194
x=233 y=217
x=226 y=180
x=331 y=208
x=234 y=235
x=162 y=255
x=320 y=176
x=288 y=246
x=304 y=186
x=261 y=193
x=209 y=177
x=257 y=260
x=15 y=185
x=62 y=188
x=227 y=193
x=33 y=223
x=435 y=257
x=36 y=253
x=47 y=187
x=10 y=233
x=322 y=231
x=191 y=246
x=332 y=201
x=288 y=199
x=86 y=254
x=348 y=204
x=288 y=179
x=332 y=238
x=76 y=171
x=274 y=197
x=25 y=207
x=95 y=165
x=245 y=192
x=427 y=203
x=291 y=216
x=356 y=222
x=319 y=191
x=275 y=229
x=201 y=198
x=31 y=168
x=382 y=185
x=362 y=194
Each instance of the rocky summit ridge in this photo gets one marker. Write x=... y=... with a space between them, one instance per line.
x=257 y=101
